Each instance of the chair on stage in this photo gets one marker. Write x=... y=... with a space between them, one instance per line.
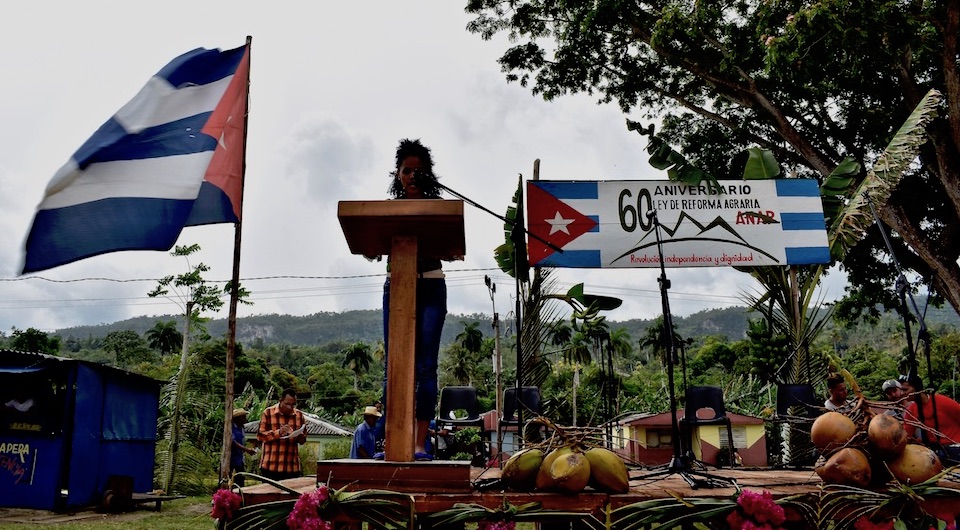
x=704 y=406
x=796 y=401
x=529 y=403
x=797 y=407
x=459 y=407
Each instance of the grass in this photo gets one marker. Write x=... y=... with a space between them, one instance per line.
x=191 y=513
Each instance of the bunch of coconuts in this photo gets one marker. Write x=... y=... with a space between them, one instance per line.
x=862 y=448
x=566 y=464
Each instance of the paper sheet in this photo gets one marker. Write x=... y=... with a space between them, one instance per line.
x=295 y=433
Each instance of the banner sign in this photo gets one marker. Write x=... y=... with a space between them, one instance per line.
x=608 y=224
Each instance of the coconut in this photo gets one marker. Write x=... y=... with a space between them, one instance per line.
x=917 y=464
x=831 y=431
x=520 y=470
x=570 y=472
x=848 y=466
x=887 y=437
x=545 y=481
x=608 y=472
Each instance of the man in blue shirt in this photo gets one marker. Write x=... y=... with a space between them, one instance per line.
x=364 y=438
x=239 y=447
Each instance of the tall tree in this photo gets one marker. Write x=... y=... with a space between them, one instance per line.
x=128 y=347
x=471 y=338
x=357 y=357
x=460 y=364
x=194 y=295
x=798 y=78
x=165 y=337
x=34 y=340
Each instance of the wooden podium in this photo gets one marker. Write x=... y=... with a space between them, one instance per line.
x=404 y=229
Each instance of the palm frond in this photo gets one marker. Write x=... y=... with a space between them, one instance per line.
x=669 y=513
x=267 y=515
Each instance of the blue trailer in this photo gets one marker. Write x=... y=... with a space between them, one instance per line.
x=68 y=428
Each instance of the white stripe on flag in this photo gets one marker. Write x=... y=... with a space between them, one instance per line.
x=169 y=177
x=158 y=103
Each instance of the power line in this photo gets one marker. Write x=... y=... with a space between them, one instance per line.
x=456 y=279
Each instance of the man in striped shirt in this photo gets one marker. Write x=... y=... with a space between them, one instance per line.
x=281 y=433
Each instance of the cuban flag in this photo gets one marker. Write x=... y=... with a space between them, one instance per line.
x=171 y=157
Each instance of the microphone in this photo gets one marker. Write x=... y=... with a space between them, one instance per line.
x=651 y=214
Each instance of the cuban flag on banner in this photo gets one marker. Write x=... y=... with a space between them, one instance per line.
x=171 y=157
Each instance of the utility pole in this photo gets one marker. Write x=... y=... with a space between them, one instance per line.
x=492 y=289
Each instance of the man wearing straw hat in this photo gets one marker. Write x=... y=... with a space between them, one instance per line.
x=239 y=448
x=364 y=438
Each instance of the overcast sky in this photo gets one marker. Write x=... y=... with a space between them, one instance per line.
x=334 y=86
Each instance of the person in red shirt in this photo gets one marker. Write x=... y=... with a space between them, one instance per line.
x=941 y=417
x=281 y=433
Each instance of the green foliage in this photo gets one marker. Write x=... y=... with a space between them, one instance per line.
x=768 y=350
x=357 y=358
x=664 y=157
x=128 y=348
x=280 y=379
x=35 y=341
x=338 y=449
x=504 y=254
x=871 y=368
x=165 y=337
x=190 y=289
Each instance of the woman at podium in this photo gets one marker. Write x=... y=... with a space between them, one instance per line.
x=413 y=178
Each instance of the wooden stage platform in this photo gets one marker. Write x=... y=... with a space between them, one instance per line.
x=438 y=486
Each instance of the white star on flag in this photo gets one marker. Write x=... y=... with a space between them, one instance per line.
x=558 y=224
x=222 y=141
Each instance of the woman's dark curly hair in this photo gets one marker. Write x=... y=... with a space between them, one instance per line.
x=426 y=180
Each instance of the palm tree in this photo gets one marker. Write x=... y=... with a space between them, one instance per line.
x=560 y=334
x=471 y=338
x=165 y=337
x=357 y=357
x=620 y=343
x=460 y=363
x=656 y=340
x=578 y=350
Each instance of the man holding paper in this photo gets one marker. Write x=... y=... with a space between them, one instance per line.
x=282 y=430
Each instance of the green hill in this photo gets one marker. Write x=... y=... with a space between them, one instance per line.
x=366 y=325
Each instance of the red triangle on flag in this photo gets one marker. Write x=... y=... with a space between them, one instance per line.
x=226 y=124
x=552 y=220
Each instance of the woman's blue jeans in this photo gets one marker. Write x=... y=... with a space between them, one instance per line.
x=431 y=312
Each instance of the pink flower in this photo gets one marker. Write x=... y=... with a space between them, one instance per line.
x=225 y=502
x=735 y=520
x=756 y=511
x=761 y=508
x=306 y=512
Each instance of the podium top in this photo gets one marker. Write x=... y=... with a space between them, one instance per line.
x=370 y=226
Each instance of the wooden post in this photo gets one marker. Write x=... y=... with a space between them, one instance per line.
x=401 y=370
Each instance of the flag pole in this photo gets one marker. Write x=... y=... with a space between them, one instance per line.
x=234 y=300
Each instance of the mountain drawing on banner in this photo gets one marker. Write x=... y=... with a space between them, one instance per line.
x=554 y=221
x=719 y=223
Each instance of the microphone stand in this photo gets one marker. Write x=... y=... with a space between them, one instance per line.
x=679 y=464
x=922 y=333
